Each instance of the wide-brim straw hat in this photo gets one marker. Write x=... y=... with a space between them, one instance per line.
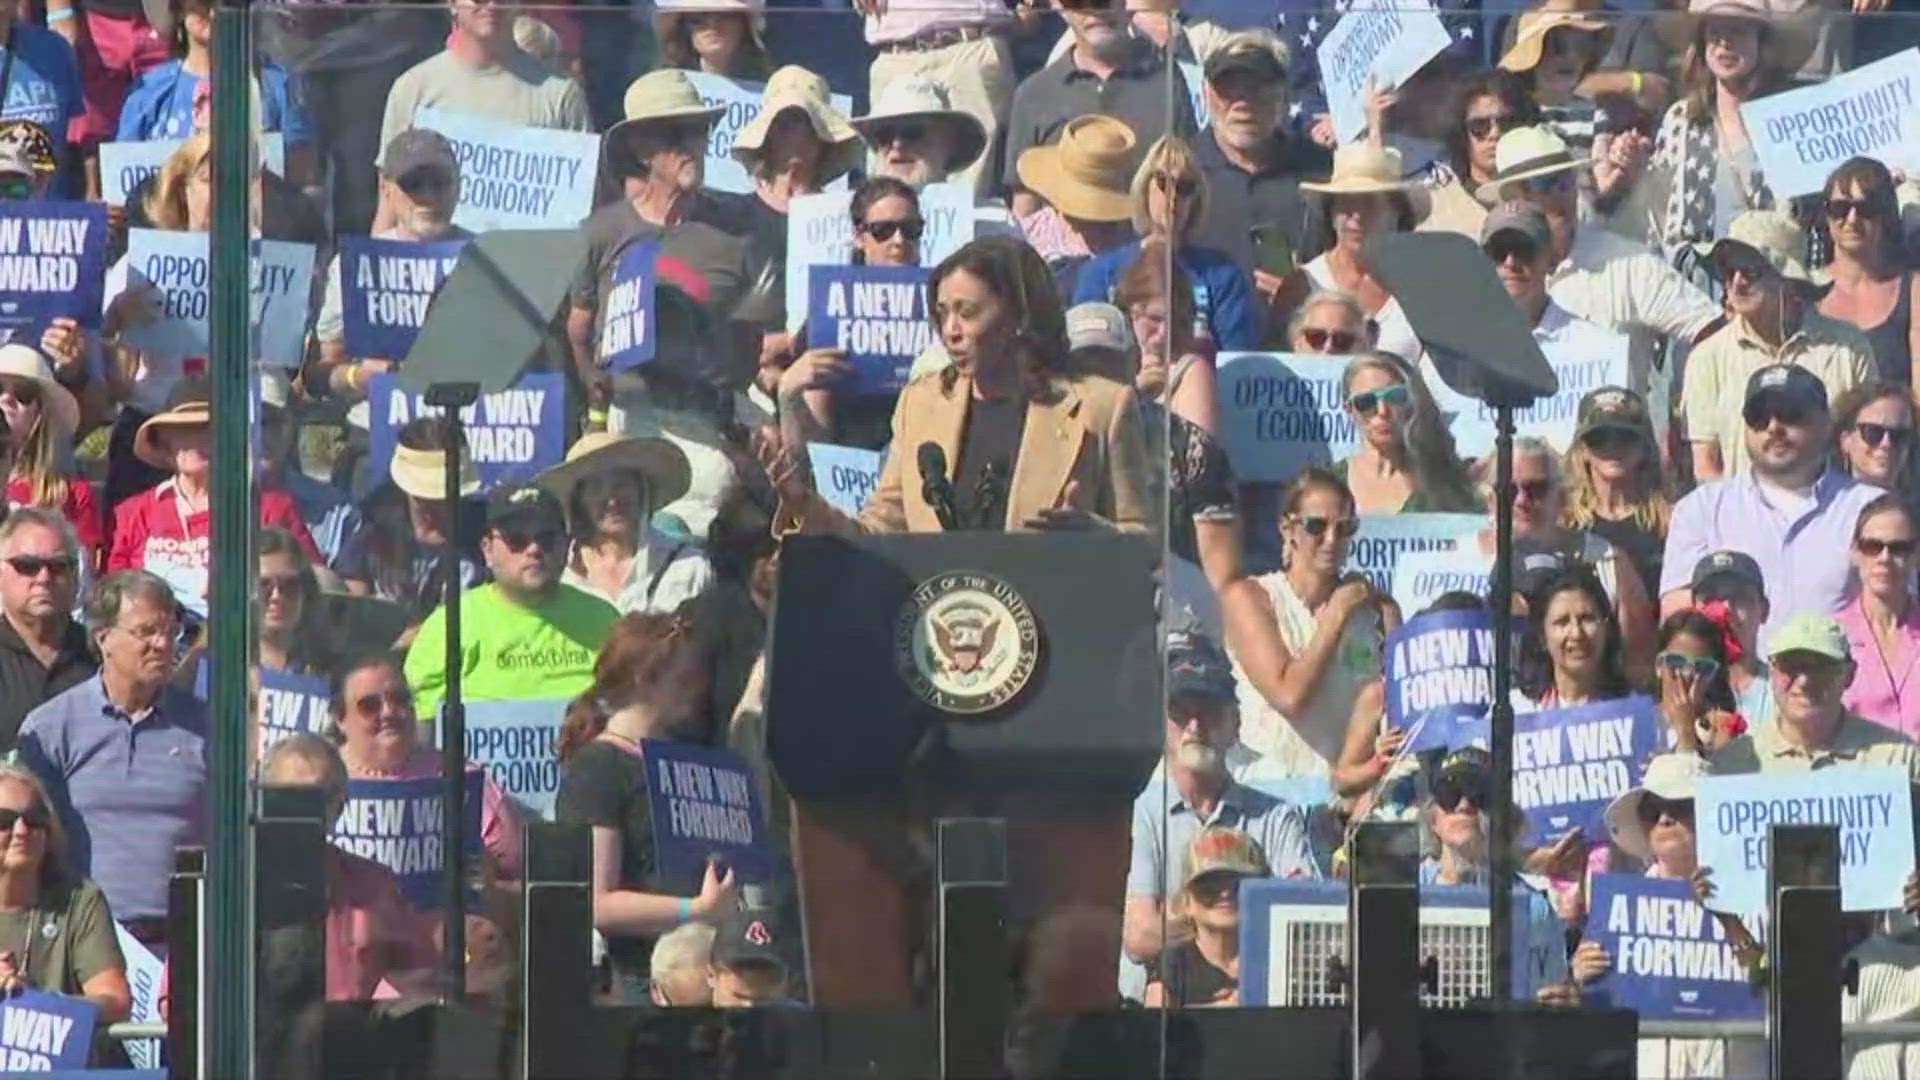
x=1088 y=172
x=26 y=362
x=668 y=13
x=423 y=473
x=189 y=412
x=1791 y=33
x=794 y=87
x=657 y=97
x=1523 y=154
x=1530 y=37
x=1362 y=168
x=659 y=462
x=1669 y=776
x=915 y=98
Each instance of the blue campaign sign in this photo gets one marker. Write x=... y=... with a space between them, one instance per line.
x=396 y=823
x=517 y=177
x=1802 y=135
x=1871 y=804
x=1568 y=764
x=1388 y=39
x=512 y=434
x=41 y=1032
x=385 y=287
x=1584 y=357
x=176 y=266
x=1281 y=412
x=877 y=315
x=291 y=702
x=844 y=475
x=52 y=262
x=514 y=741
x=1439 y=669
x=704 y=804
x=1421 y=577
x=741 y=100
x=626 y=326
x=1671 y=957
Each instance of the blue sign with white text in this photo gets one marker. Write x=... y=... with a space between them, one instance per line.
x=512 y=434
x=385 y=288
x=291 y=702
x=1872 y=805
x=1568 y=764
x=704 y=805
x=1440 y=679
x=41 y=1032
x=877 y=315
x=1671 y=957
x=52 y=262
x=626 y=325
x=396 y=823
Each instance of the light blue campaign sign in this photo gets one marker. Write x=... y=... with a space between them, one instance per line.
x=820 y=233
x=290 y=703
x=41 y=1032
x=1383 y=538
x=741 y=100
x=1195 y=79
x=124 y=166
x=626 y=324
x=1671 y=957
x=385 y=288
x=1568 y=764
x=1871 y=804
x=877 y=315
x=53 y=261
x=1421 y=577
x=704 y=804
x=176 y=266
x=512 y=434
x=396 y=823
x=144 y=974
x=1281 y=412
x=517 y=177
x=514 y=741
x=1439 y=669
x=844 y=475
x=1388 y=39
x=1802 y=135
x=1584 y=356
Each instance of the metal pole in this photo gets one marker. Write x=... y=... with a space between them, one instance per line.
x=1500 y=863
x=229 y=942
x=453 y=397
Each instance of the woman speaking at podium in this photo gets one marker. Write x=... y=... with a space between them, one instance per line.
x=1004 y=438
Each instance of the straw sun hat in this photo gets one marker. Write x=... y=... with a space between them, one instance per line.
x=1087 y=172
x=1789 y=40
x=186 y=407
x=662 y=464
x=423 y=473
x=794 y=87
x=658 y=97
x=1363 y=169
x=26 y=362
x=1530 y=39
x=915 y=98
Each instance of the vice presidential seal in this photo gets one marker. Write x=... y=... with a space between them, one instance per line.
x=966 y=642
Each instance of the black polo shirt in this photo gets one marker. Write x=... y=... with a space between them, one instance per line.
x=1238 y=200
x=1144 y=92
x=25 y=685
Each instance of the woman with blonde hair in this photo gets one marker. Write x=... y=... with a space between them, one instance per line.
x=41 y=416
x=1616 y=488
x=1406 y=463
x=1169 y=195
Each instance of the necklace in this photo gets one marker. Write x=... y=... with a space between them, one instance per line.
x=1896 y=687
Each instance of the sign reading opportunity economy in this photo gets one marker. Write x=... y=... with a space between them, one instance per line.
x=1871 y=805
x=1671 y=957
x=385 y=288
x=124 y=166
x=145 y=971
x=396 y=823
x=176 y=266
x=1421 y=577
x=626 y=324
x=516 y=177
x=512 y=434
x=1281 y=412
x=845 y=475
x=704 y=805
x=52 y=262
x=514 y=741
x=1802 y=135
x=1439 y=669
x=877 y=315
x=1584 y=357
x=1569 y=764
x=1383 y=538
x=42 y=1031
x=1388 y=39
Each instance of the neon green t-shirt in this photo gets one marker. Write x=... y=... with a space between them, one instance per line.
x=512 y=652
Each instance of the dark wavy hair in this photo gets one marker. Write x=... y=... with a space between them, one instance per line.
x=1511 y=90
x=1535 y=668
x=312 y=644
x=1691 y=622
x=1019 y=278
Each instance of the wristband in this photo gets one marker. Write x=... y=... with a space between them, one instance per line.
x=58 y=15
x=1639 y=83
x=597 y=416
x=686 y=910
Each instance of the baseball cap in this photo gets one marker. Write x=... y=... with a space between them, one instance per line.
x=1218 y=849
x=1791 y=383
x=1196 y=666
x=1613 y=408
x=745 y=936
x=1809 y=631
x=525 y=503
x=1254 y=52
x=419 y=148
x=1466 y=759
x=1734 y=564
x=1096 y=325
x=1517 y=218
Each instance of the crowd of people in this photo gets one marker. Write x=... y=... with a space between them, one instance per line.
x=1146 y=193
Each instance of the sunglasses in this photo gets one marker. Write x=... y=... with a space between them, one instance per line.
x=1087 y=5
x=1317 y=526
x=1742 y=267
x=899 y=133
x=1841 y=209
x=1500 y=249
x=1181 y=186
x=1534 y=490
x=884 y=231
x=1703 y=667
x=1547 y=185
x=35 y=818
x=1871 y=547
x=1652 y=808
x=1481 y=127
x=1367 y=401
x=1603 y=439
x=1762 y=413
x=1211 y=889
x=284 y=584
x=1338 y=341
x=369 y=704
x=1874 y=434
x=518 y=540
x=425 y=181
x=1450 y=790
x=29 y=566
x=24 y=391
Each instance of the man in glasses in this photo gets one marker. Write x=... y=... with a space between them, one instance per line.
x=1791 y=512
x=1518 y=239
x=1771 y=298
x=526 y=635
x=916 y=137
x=42 y=650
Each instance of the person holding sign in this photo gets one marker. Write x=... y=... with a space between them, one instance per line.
x=1874 y=423
x=1570 y=649
x=1306 y=640
x=57 y=930
x=797 y=144
x=647 y=684
x=721 y=37
x=1406 y=463
x=1001 y=323
x=1616 y=488
x=1366 y=194
x=611 y=487
x=42 y=418
x=916 y=137
x=1882 y=620
x=1872 y=286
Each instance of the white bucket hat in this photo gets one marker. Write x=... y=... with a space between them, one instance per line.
x=794 y=87
x=915 y=98
x=1669 y=776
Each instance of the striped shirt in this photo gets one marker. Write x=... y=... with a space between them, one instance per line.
x=128 y=789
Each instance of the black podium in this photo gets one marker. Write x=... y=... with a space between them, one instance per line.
x=921 y=678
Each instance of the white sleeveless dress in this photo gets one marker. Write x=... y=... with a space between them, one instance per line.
x=1311 y=743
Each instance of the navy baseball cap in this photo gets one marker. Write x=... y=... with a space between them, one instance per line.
x=1197 y=667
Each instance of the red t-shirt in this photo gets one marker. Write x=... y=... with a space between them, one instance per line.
x=149 y=533
x=80 y=509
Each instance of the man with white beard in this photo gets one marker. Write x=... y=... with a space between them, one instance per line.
x=419 y=187
x=1109 y=71
x=1194 y=791
x=916 y=137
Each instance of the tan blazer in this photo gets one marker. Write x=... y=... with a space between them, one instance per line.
x=1091 y=433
